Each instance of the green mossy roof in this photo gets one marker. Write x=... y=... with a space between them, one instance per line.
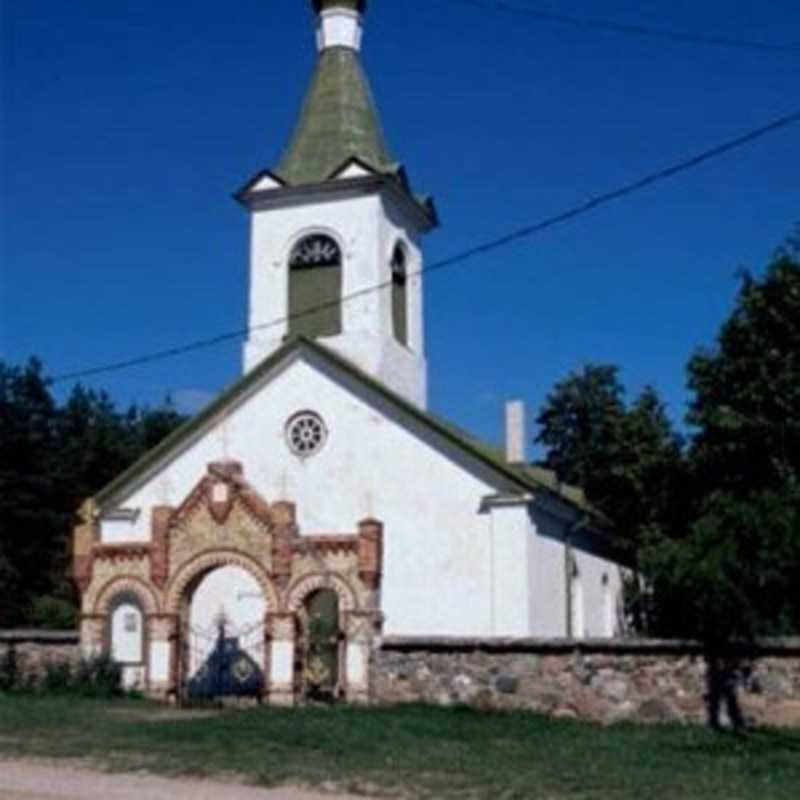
x=528 y=478
x=338 y=121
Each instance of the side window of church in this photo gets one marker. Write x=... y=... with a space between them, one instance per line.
x=315 y=287
x=399 y=295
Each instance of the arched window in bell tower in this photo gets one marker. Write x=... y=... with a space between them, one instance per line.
x=315 y=287
x=399 y=295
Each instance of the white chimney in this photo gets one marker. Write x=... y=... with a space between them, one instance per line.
x=515 y=432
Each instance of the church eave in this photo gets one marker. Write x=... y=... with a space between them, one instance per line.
x=422 y=210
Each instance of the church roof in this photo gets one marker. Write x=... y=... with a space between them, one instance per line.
x=338 y=121
x=523 y=478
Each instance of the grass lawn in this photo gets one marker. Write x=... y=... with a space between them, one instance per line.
x=409 y=751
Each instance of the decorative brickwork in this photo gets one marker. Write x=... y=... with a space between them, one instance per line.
x=370 y=552
x=282 y=549
x=297 y=593
x=363 y=626
x=224 y=522
x=126 y=585
x=208 y=560
x=163 y=627
x=159 y=555
x=281 y=626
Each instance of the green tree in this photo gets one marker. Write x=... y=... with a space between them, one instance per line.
x=30 y=513
x=746 y=404
x=627 y=459
x=739 y=567
x=51 y=460
x=580 y=424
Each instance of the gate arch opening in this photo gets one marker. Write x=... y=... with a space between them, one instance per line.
x=222 y=618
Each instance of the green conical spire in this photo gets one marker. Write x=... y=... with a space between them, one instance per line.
x=338 y=120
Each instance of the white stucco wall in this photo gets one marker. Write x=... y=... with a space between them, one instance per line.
x=437 y=578
x=124 y=531
x=601 y=588
x=510 y=545
x=546 y=571
x=596 y=590
x=367 y=228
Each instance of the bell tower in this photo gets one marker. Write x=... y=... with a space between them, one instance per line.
x=335 y=228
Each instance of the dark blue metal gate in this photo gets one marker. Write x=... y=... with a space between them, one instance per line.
x=229 y=671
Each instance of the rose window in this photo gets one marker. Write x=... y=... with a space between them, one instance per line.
x=305 y=433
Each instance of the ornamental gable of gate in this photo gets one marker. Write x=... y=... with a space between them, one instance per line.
x=222 y=521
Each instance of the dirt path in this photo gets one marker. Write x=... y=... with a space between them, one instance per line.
x=30 y=780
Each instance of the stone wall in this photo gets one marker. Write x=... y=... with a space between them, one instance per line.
x=603 y=680
x=34 y=650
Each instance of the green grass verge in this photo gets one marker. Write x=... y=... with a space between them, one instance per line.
x=410 y=751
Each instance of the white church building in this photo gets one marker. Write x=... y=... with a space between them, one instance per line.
x=316 y=505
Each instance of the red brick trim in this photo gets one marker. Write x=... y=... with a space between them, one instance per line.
x=120 y=552
x=370 y=552
x=127 y=583
x=159 y=559
x=302 y=587
x=82 y=569
x=328 y=543
x=210 y=559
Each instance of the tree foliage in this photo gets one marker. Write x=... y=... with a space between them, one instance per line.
x=716 y=529
x=736 y=574
x=53 y=457
x=747 y=390
x=626 y=458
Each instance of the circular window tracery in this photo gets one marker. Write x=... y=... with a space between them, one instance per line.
x=306 y=433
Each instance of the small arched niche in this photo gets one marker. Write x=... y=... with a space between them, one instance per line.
x=315 y=287
x=126 y=630
x=399 y=270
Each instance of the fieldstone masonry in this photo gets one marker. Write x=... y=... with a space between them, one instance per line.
x=35 y=650
x=605 y=681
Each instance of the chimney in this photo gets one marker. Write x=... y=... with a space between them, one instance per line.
x=515 y=432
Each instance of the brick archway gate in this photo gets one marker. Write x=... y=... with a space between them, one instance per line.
x=224 y=524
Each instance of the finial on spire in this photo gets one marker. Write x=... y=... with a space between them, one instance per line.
x=353 y=5
x=339 y=23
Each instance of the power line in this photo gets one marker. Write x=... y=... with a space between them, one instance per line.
x=592 y=23
x=478 y=250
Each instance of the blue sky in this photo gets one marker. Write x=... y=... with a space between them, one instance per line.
x=127 y=126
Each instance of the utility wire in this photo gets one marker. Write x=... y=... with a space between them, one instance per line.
x=592 y=23
x=495 y=244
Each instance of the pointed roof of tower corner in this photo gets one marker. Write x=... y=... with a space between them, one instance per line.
x=338 y=121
